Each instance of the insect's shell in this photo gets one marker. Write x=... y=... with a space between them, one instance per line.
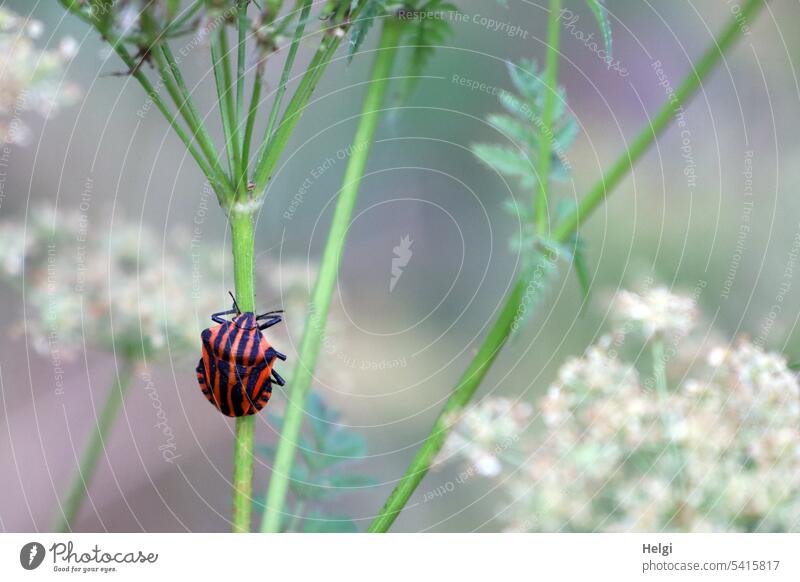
x=233 y=372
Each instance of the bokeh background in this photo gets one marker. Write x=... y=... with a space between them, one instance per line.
x=107 y=164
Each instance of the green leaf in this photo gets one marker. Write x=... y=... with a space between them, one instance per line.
x=522 y=127
x=601 y=15
x=426 y=34
x=539 y=268
x=359 y=29
x=508 y=161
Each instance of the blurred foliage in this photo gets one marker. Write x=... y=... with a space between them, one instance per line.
x=323 y=472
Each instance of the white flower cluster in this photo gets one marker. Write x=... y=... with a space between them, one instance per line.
x=721 y=452
x=123 y=287
x=656 y=312
x=485 y=433
x=30 y=80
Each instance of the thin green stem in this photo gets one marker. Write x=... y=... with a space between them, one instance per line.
x=96 y=445
x=656 y=126
x=314 y=332
x=243 y=241
x=217 y=178
x=564 y=230
x=176 y=87
x=184 y=18
x=467 y=385
x=287 y=67
x=659 y=367
x=551 y=94
x=662 y=390
x=255 y=98
x=271 y=150
x=222 y=78
x=241 y=56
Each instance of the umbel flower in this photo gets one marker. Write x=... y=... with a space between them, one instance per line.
x=720 y=452
x=124 y=287
x=30 y=80
x=656 y=312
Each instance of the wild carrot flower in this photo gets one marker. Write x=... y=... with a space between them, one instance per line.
x=604 y=460
x=656 y=312
x=122 y=287
x=30 y=79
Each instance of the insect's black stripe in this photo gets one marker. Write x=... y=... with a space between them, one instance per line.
x=225 y=387
x=237 y=398
x=264 y=382
x=256 y=386
x=227 y=379
x=218 y=339
x=235 y=394
x=234 y=334
x=247 y=337
x=252 y=358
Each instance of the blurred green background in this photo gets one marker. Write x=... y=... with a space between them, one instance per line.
x=394 y=356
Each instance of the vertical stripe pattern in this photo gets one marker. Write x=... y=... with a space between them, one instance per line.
x=234 y=373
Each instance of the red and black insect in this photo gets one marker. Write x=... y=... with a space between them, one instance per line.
x=235 y=372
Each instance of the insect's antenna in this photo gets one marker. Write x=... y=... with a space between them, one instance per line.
x=235 y=305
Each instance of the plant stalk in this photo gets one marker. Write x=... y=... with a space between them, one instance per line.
x=656 y=126
x=551 y=94
x=96 y=446
x=467 y=385
x=274 y=144
x=314 y=332
x=563 y=231
x=243 y=241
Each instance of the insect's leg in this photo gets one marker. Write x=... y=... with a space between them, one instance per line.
x=273 y=320
x=217 y=317
x=278 y=380
x=273 y=353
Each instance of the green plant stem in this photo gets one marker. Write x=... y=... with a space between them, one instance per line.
x=563 y=231
x=662 y=390
x=176 y=87
x=271 y=148
x=551 y=94
x=217 y=178
x=281 y=90
x=184 y=18
x=326 y=281
x=96 y=445
x=241 y=57
x=467 y=385
x=287 y=67
x=659 y=367
x=222 y=79
x=243 y=243
x=707 y=63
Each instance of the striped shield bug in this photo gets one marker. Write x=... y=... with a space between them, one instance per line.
x=236 y=370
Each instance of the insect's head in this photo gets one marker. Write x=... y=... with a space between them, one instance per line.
x=246 y=320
